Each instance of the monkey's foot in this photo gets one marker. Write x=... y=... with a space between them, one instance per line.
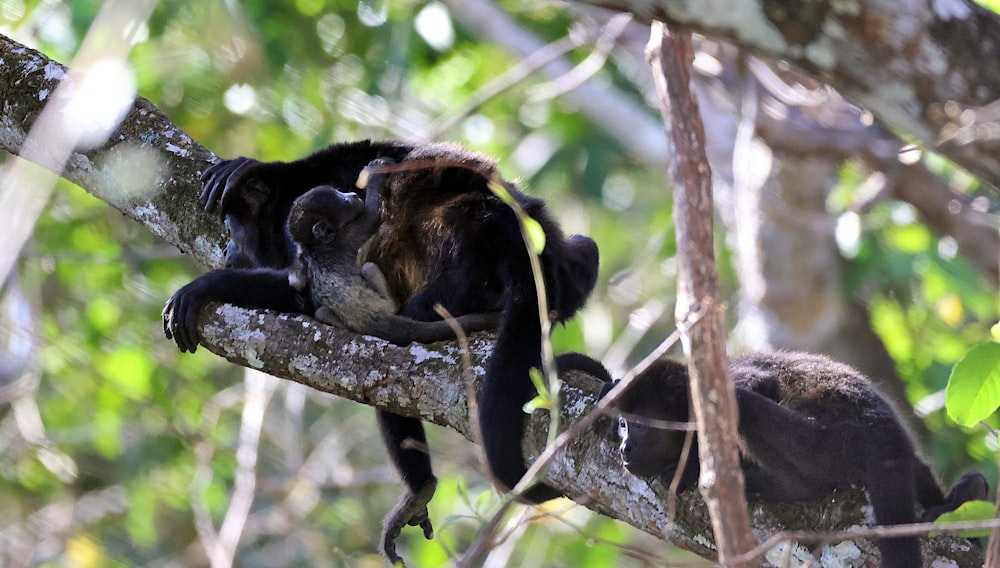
x=971 y=487
x=411 y=510
x=326 y=315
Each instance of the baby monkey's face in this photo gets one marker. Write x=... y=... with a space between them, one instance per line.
x=321 y=214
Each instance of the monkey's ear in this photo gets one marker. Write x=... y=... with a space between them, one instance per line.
x=606 y=389
x=322 y=230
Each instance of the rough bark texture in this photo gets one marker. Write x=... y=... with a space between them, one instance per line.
x=698 y=312
x=168 y=205
x=415 y=380
x=929 y=69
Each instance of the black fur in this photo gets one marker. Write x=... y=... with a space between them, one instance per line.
x=808 y=425
x=443 y=238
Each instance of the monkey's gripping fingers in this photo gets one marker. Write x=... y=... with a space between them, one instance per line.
x=219 y=181
x=411 y=510
x=372 y=180
x=180 y=318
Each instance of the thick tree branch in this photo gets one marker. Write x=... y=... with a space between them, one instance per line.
x=415 y=380
x=168 y=202
x=928 y=69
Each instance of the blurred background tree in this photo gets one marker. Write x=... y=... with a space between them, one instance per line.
x=117 y=450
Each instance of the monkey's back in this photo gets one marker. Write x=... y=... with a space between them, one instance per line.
x=828 y=392
x=440 y=217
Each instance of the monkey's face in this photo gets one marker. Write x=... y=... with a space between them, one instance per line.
x=321 y=214
x=647 y=449
x=650 y=447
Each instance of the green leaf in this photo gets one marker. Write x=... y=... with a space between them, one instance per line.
x=973 y=390
x=544 y=398
x=536 y=234
x=970 y=511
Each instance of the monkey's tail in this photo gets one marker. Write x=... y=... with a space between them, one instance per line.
x=891 y=489
x=508 y=386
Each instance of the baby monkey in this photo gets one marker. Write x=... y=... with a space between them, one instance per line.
x=330 y=227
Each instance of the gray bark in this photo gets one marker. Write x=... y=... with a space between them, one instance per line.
x=416 y=380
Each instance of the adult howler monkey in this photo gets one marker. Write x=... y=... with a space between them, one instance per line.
x=808 y=425
x=442 y=238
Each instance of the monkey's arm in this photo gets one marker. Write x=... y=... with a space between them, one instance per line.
x=797 y=459
x=250 y=288
x=337 y=165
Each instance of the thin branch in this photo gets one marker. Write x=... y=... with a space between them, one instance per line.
x=504 y=82
x=712 y=393
x=258 y=390
x=588 y=67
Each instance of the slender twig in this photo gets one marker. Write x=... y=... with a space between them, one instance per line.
x=509 y=79
x=593 y=63
x=830 y=537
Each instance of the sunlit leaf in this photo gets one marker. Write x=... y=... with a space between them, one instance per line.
x=973 y=391
x=544 y=397
x=970 y=511
x=535 y=234
x=911 y=238
x=950 y=309
x=83 y=552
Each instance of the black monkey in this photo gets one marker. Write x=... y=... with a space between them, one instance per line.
x=328 y=228
x=443 y=237
x=808 y=425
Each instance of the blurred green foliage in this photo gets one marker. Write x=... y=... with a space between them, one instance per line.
x=106 y=441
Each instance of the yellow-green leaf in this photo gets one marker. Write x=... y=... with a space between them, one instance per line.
x=970 y=511
x=544 y=398
x=536 y=234
x=973 y=390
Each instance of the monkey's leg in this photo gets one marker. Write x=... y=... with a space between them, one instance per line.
x=406 y=443
x=374 y=276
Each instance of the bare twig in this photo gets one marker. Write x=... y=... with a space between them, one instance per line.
x=589 y=66
x=258 y=391
x=507 y=80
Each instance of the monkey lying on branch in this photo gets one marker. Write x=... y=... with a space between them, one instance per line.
x=808 y=425
x=434 y=234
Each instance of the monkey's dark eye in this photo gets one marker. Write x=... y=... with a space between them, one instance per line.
x=258 y=189
x=322 y=230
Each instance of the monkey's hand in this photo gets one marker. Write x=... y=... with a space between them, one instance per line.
x=180 y=315
x=376 y=279
x=411 y=510
x=222 y=181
